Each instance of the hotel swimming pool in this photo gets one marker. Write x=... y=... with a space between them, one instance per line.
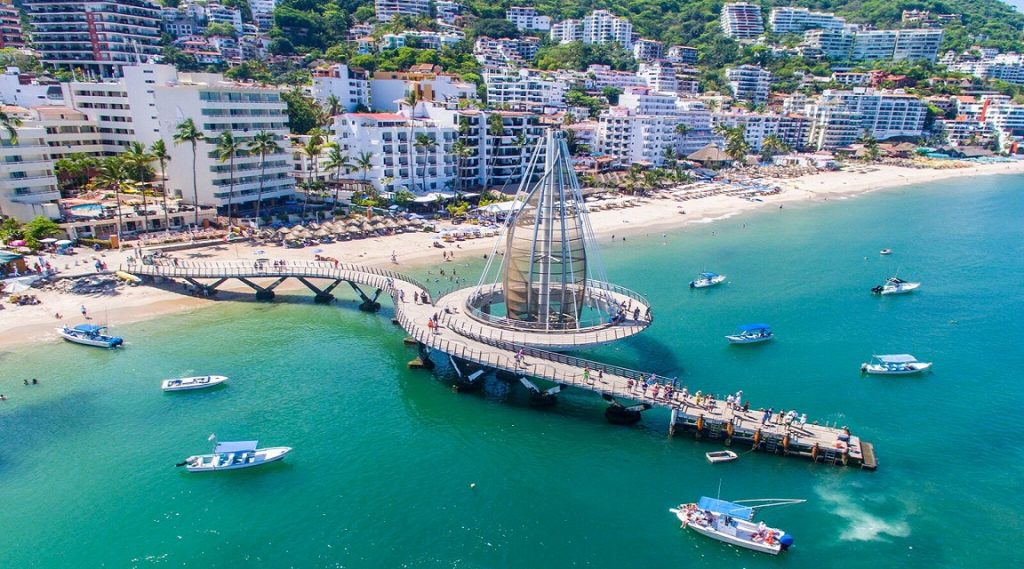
x=86 y=210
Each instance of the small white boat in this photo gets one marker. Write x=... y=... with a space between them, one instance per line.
x=751 y=334
x=895 y=285
x=730 y=522
x=717 y=456
x=704 y=280
x=885 y=251
x=90 y=335
x=894 y=364
x=188 y=383
x=233 y=456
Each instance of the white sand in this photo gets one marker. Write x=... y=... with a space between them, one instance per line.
x=30 y=324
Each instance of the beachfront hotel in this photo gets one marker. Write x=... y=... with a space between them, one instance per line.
x=791 y=20
x=100 y=37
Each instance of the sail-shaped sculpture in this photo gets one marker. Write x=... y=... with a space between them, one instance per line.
x=545 y=263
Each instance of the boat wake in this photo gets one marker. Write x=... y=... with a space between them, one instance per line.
x=714 y=219
x=863 y=525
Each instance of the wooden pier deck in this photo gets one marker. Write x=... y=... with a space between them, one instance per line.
x=489 y=348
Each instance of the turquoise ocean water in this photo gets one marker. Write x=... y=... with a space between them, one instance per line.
x=384 y=456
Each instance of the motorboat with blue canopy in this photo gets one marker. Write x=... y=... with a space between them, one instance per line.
x=233 y=455
x=90 y=335
x=732 y=523
x=894 y=364
x=707 y=279
x=751 y=334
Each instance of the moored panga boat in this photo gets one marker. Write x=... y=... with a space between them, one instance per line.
x=705 y=280
x=751 y=334
x=90 y=335
x=894 y=364
x=189 y=383
x=717 y=456
x=233 y=456
x=731 y=522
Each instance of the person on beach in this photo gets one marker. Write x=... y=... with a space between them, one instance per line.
x=85 y=313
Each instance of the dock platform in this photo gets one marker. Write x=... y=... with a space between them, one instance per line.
x=487 y=347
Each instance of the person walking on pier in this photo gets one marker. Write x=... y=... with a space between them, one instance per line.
x=586 y=374
x=767 y=415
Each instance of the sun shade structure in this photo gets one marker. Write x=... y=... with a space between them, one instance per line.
x=545 y=274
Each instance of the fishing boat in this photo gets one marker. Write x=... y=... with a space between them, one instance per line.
x=233 y=456
x=704 y=280
x=751 y=334
x=90 y=335
x=885 y=251
x=717 y=456
x=895 y=285
x=189 y=383
x=731 y=522
x=894 y=364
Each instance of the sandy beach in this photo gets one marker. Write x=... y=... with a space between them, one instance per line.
x=34 y=324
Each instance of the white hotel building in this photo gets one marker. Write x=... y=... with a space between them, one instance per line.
x=528 y=19
x=884 y=114
x=388 y=9
x=788 y=20
x=28 y=185
x=601 y=26
x=749 y=83
x=742 y=21
x=644 y=126
x=525 y=89
x=351 y=88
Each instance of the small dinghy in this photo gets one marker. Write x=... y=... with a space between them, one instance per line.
x=189 y=383
x=720 y=456
x=885 y=252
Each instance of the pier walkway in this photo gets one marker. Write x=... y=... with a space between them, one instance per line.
x=488 y=347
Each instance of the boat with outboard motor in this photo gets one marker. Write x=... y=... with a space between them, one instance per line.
x=233 y=456
x=731 y=522
x=751 y=334
x=90 y=335
x=885 y=252
x=894 y=364
x=895 y=285
x=704 y=280
x=189 y=383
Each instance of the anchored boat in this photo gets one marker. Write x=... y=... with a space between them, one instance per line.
x=717 y=456
x=751 y=334
x=705 y=280
x=90 y=335
x=233 y=456
x=731 y=522
x=895 y=285
x=894 y=364
x=188 y=383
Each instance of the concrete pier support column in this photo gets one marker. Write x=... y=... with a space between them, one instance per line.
x=672 y=422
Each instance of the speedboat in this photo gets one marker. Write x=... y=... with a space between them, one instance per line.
x=894 y=364
x=187 y=383
x=731 y=523
x=90 y=335
x=720 y=456
x=233 y=456
x=751 y=334
x=885 y=251
x=895 y=285
x=705 y=280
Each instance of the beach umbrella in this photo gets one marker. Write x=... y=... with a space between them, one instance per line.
x=352 y=230
x=366 y=227
x=48 y=240
x=353 y=223
x=403 y=222
x=16 y=286
x=314 y=225
x=390 y=223
x=322 y=232
x=17 y=243
x=64 y=242
x=284 y=231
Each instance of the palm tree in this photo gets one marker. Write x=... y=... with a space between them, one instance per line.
x=496 y=129
x=263 y=143
x=461 y=152
x=227 y=148
x=113 y=174
x=159 y=152
x=336 y=160
x=332 y=105
x=10 y=124
x=311 y=150
x=188 y=133
x=772 y=146
x=138 y=159
x=422 y=142
x=736 y=145
x=365 y=163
